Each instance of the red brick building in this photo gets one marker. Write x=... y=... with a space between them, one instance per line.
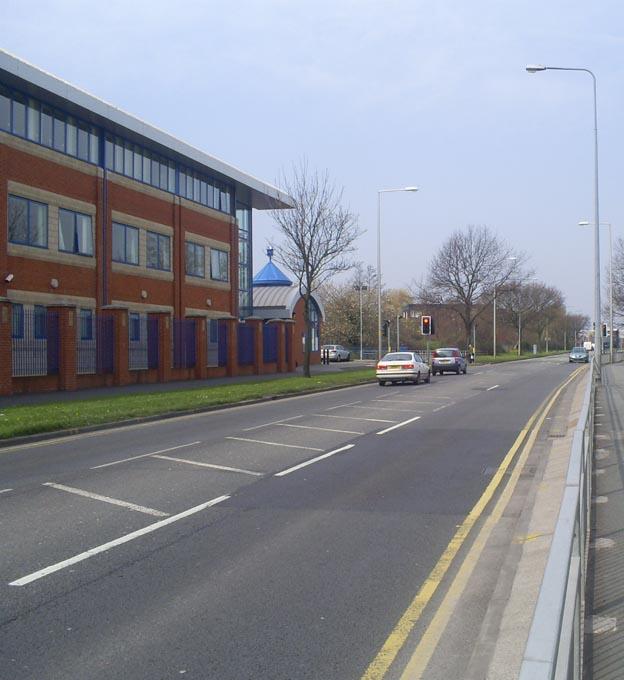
x=125 y=254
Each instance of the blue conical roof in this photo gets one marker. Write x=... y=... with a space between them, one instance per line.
x=270 y=275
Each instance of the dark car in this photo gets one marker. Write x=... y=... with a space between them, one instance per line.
x=448 y=360
x=579 y=355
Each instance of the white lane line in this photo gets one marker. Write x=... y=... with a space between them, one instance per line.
x=381 y=408
x=275 y=422
x=211 y=465
x=394 y=427
x=369 y=420
x=313 y=460
x=435 y=410
x=333 y=408
x=394 y=401
x=492 y=388
x=112 y=544
x=5 y=490
x=107 y=499
x=260 y=441
x=321 y=429
x=144 y=455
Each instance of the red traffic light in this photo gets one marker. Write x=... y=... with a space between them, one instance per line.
x=425 y=325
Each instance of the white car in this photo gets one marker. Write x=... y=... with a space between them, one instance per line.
x=402 y=367
x=336 y=352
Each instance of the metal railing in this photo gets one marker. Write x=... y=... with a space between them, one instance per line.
x=554 y=649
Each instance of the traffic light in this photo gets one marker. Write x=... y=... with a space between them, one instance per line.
x=425 y=325
x=604 y=330
x=386 y=326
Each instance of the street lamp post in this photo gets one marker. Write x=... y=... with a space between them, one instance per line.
x=360 y=287
x=379 y=192
x=586 y=223
x=536 y=68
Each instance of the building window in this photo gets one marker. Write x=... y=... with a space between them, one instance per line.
x=75 y=232
x=158 y=251
x=195 y=260
x=125 y=244
x=17 y=321
x=28 y=222
x=85 y=324
x=219 y=265
x=39 y=323
x=134 y=326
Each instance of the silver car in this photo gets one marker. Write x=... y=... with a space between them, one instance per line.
x=336 y=352
x=402 y=367
x=579 y=355
x=448 y=359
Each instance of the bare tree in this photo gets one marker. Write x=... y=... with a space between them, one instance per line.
x=467 y=271
x=318 y=234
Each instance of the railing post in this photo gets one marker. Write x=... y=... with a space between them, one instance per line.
x=164 y=344
x=6 y=348
x=232 y=347
x=290 y=331
x=67 y=335
x=201 y=347
x=258 y=351
x=282 y=364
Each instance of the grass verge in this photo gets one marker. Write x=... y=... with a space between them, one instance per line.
x=18 y=421
x=513 y=356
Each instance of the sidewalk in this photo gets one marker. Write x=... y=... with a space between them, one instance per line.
x=98 y=392
x=604 y=623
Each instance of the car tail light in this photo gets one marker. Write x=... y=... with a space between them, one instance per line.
x=381 y=368
x=407 y=366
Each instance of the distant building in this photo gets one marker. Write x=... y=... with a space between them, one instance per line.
x=276 y=297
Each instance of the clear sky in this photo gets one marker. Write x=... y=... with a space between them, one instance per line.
x=381 y=94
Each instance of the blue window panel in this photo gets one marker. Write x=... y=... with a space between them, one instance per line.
x=46 y=126
x=19 y=116
x=71 y=133
x=134 y=327
x=39 y=323
x=86 y=324
x=33 y=120
x=5 y=109
x=94 y=146
x=75 y=232
x=28 y=222
x=17 y=321
x=59 y=132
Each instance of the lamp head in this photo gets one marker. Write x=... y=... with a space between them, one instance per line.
x=410 y=189
x=584 y=223
x=534 y=68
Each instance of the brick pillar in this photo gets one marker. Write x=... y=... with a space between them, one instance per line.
x=121 y=375
x=290 y=330
x=201 y=347
x=257 y=324
x=282 y=364
x=232 y=347
x=67 y=330
x=164 y=344
x=6 y=348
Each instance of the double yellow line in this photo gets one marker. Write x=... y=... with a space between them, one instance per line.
x=422 y=655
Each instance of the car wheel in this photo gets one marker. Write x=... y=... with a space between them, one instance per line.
x=382 y=383
x=349 y=357
x=457 y=371
x=465 y=370
x=428 y=378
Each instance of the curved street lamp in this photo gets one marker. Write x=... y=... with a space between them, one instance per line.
x=536 y=68
x=379 y=192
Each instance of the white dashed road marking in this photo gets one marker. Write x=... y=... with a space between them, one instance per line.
x=275 y=422
x=283 y=473
x=211 y=465
x=492 y=388
x=5 y=490
x=333 y=408
x=260 y=441
x=107 y=499
x=145 y=455
x=321 y=429
x=112 y=544
x=369 y=420
x=394 y=427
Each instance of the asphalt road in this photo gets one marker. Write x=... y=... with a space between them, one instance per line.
x=205 y=546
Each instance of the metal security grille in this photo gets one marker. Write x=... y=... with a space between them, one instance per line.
x=35 y=341
x=152 y=343
x=95 y=345
x=246 y=338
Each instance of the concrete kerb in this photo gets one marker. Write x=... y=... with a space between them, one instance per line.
x=58 y=434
